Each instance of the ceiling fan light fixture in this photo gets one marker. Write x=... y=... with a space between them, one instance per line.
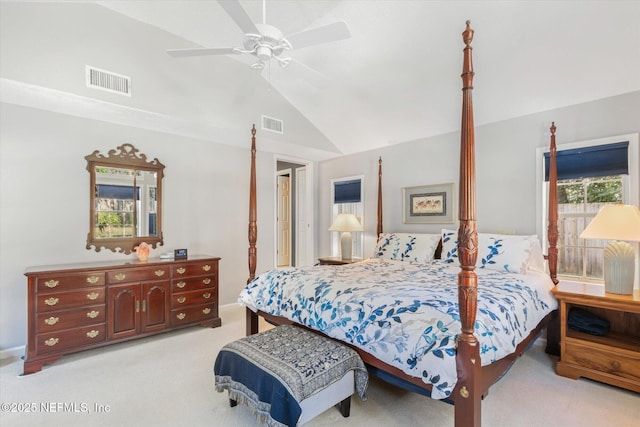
x=283 y=60
x=263 y=53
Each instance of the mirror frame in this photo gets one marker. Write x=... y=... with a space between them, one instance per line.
x=125 y=156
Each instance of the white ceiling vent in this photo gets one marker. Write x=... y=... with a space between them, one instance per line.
x=274 y=125
x=108 y=81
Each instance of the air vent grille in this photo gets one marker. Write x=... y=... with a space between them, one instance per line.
x=108 y=81
x=274 y=125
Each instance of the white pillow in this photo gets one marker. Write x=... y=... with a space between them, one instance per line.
x=406 y=246
x=502 y=252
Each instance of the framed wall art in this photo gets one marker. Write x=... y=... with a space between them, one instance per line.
x=428 y=204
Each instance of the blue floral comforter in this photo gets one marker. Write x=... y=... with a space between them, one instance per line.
x=405 y=314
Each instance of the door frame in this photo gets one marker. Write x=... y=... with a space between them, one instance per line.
x=311 y=202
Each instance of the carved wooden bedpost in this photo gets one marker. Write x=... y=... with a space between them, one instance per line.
x=379 y=227
x=252 y=318
x=468 y=389
x=552 y=227
x=553 y=327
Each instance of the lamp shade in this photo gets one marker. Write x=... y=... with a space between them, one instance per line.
x=614 y=222
x=346 y=222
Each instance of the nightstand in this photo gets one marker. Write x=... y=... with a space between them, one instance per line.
x=334 y=260
x=613 y=358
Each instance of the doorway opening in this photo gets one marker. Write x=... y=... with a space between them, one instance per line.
x=294 y=213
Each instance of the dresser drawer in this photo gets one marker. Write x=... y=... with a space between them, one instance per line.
x=184 y=299
x=195 y=269
x=58 y=320
x=614 y=361
x=193 y=314
x=65 y=300
x=56 y=341
x=69 y=282
x=193 y=284
x=138 y=275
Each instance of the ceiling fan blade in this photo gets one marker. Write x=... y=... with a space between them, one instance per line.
x=181 y=53
x=325 y=34
x=239 y=15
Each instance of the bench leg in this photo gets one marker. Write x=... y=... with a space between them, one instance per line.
x=232 y=402
x=345 y=407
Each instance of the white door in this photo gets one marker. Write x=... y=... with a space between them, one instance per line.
x=302 y=225
x=284 y=219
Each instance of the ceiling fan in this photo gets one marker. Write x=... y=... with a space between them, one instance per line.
x=264 y=41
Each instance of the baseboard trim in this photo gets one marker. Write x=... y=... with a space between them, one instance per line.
x=8 y=353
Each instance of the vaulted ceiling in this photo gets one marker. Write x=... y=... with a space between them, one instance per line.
x=396 y=79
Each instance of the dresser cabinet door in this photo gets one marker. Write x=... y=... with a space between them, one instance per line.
x=155 y=306
x=124 y=309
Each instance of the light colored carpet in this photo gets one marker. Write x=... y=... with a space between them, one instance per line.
x=167 y=380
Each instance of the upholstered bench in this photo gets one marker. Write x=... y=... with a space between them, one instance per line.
x=288 y=375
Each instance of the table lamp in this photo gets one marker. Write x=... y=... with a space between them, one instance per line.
x=346 y=223
x=616 y=222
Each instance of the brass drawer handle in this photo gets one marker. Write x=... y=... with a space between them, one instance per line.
x=51 y=283
x=93 y=314
x=93 y=296
x=181 y=299
x=51 y=301
x=206 y=281
x=181 y=316
x=93 y=279
x=93 y=334
x=159 y=273
x=51 y=320
x=120 y=276
x=207 y=295
x=181 y=270
x=206 y=310
x=181 y=284
x=206 y=267
x=52 y=341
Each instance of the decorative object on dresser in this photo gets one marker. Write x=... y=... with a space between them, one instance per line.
x=616 y=222
x=76 y=307
x=346 y=223
x=142 y=251
x=125 y=200
x=612 y=358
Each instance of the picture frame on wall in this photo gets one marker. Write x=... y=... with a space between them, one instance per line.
x=428 y=204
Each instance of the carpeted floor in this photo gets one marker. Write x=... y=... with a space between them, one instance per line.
x=167 y=380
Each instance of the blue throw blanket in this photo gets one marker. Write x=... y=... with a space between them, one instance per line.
x=273 y=371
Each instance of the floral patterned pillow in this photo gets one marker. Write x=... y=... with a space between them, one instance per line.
x=406 y=246
x=502 y=252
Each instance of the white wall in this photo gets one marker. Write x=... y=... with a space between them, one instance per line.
x=505 y=163
x=44 y=201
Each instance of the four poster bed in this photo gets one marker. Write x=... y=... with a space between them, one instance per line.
x=413 y=319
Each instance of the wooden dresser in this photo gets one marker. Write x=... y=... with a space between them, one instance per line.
x=613 y=358
x=81 y=306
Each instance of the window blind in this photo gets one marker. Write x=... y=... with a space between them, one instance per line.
x=119 y=192
x=347 y=191
x=594 y=161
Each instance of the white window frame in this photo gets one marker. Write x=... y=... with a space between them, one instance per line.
x=358 y=236
x=631 y=185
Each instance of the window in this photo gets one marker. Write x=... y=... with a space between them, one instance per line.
x=579 y=200
x=590 y=175
x=346 y=197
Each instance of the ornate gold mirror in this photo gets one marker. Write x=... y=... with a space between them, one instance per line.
x=125 y=202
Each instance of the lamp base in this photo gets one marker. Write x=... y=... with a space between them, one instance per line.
x=619 y=268
x=345 y=245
